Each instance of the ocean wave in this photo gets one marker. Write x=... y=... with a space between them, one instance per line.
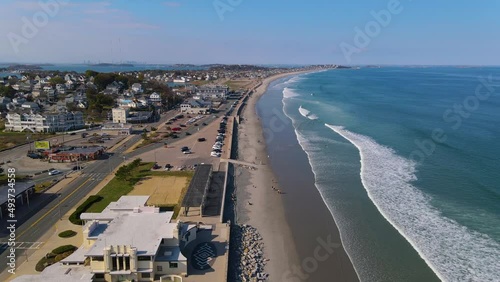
x=306 y=113
x=454 y=252
x=289 y=93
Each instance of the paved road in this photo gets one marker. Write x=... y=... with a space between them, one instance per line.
x=40 y=222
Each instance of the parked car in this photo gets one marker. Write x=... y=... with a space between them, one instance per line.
x=195 y=124
x=204 y=123
x=185 y=148
x=215 y=154
x=187 y=133
x=54 y=172
x=72 y=133
x=77 y=167
x=202 y=139
x=182 y=125
x=33 y=155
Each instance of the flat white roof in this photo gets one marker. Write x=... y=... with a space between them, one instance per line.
x=77 y=256
x=143 y=231
x=128 y=203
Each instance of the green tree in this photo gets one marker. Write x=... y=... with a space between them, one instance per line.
x=56 y=80
x=7 y=91
x=89 y=73
x=103 y=79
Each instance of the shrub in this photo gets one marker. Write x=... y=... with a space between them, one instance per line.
x=67 y=234
x=63 y=249
x=56 y=255
x=75 y=216
x=42 y=264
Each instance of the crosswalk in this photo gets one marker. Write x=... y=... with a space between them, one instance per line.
x=95 y=175
x=22 y=245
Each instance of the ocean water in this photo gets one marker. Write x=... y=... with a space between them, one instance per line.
x=81 y=68
x=407 y=161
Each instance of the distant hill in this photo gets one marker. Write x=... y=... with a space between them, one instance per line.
x=111 y=65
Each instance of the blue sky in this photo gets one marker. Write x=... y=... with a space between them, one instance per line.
x=251 y=31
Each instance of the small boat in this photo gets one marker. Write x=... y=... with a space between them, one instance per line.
x=312 y=94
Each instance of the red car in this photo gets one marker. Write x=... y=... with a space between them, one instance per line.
x=176 y=129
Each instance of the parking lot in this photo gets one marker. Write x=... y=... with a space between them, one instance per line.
x=199 y=151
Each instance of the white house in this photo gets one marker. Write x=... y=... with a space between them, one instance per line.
x=137 y=88
x=155 y=97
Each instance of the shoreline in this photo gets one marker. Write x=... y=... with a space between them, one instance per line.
x=260 y=206
x=252 y=186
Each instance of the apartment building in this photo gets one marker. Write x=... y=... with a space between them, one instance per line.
x=49 y=122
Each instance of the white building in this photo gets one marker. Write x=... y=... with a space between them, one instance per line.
x=127 y=241
x=120 y=115
x=193 y=106
x=51 y=122
x=213 y=91
x=137 y=88
x=155 y=97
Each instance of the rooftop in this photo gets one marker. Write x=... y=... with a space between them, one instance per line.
x=127 y=229
x=19 y=186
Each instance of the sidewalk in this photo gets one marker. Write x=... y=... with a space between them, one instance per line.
x=39 y=201
x=51 y=239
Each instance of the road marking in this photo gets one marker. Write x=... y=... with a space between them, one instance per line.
x=19 y=245
x=53 y=208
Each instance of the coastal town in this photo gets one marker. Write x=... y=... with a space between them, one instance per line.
x=100 y=158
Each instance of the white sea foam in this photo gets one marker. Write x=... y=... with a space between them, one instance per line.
x=312 y=117
x=289 y=93
x=454 y=252
x=306 y=113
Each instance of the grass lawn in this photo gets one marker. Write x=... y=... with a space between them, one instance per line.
x=118 y=187
x=42 y=186
x=11 y=139
x=237 y=84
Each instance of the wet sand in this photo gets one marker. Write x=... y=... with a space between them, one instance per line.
x=300 y=236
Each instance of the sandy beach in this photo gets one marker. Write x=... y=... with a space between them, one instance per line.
x=262 y=203
x=266 y=212
x=260 y=200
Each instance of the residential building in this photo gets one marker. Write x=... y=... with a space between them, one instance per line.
x=50 y=122
x=3 y=102
x=120 y=115
x=213 y=91
x=31 y=106
x=155 y=97
x=137 y=88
